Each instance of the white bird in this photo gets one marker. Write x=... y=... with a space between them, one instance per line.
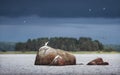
x=45 y=47
x=46 y=43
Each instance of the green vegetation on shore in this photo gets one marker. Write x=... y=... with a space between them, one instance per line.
x=18 y=52
x=74 y=52
x=95 y=52
x=65 y=43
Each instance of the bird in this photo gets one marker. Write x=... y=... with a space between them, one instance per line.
x=45 y=47
x=46 y=43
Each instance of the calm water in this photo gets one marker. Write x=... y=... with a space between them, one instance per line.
x=21 y=64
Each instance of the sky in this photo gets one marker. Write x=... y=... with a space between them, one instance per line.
x=60 y=8
x=24 y=19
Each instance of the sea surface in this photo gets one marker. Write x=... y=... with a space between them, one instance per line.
x=23 y=64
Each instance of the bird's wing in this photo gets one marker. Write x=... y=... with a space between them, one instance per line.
x=46 y=43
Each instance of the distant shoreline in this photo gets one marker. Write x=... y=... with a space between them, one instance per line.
x=74 y=52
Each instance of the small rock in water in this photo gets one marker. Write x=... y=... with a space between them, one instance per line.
x=98 y=61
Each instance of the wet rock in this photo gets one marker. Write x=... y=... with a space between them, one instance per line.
x=50 y=56
x=98 y=61
x=58 y=60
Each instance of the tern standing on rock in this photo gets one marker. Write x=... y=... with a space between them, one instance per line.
x=45 y=47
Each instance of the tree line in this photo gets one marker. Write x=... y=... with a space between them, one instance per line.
x=7 y=46
x=65 y=43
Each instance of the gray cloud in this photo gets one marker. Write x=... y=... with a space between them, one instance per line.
x=60 y=8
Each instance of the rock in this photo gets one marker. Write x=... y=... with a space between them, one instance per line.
x=50 y=56
x=58 y=60
x=98 y=61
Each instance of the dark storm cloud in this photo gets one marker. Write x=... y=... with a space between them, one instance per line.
x=60 y=8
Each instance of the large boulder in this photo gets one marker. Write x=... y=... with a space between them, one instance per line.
x=98 y=61
x=50 y=56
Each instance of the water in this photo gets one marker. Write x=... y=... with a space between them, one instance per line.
x=23 y=64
